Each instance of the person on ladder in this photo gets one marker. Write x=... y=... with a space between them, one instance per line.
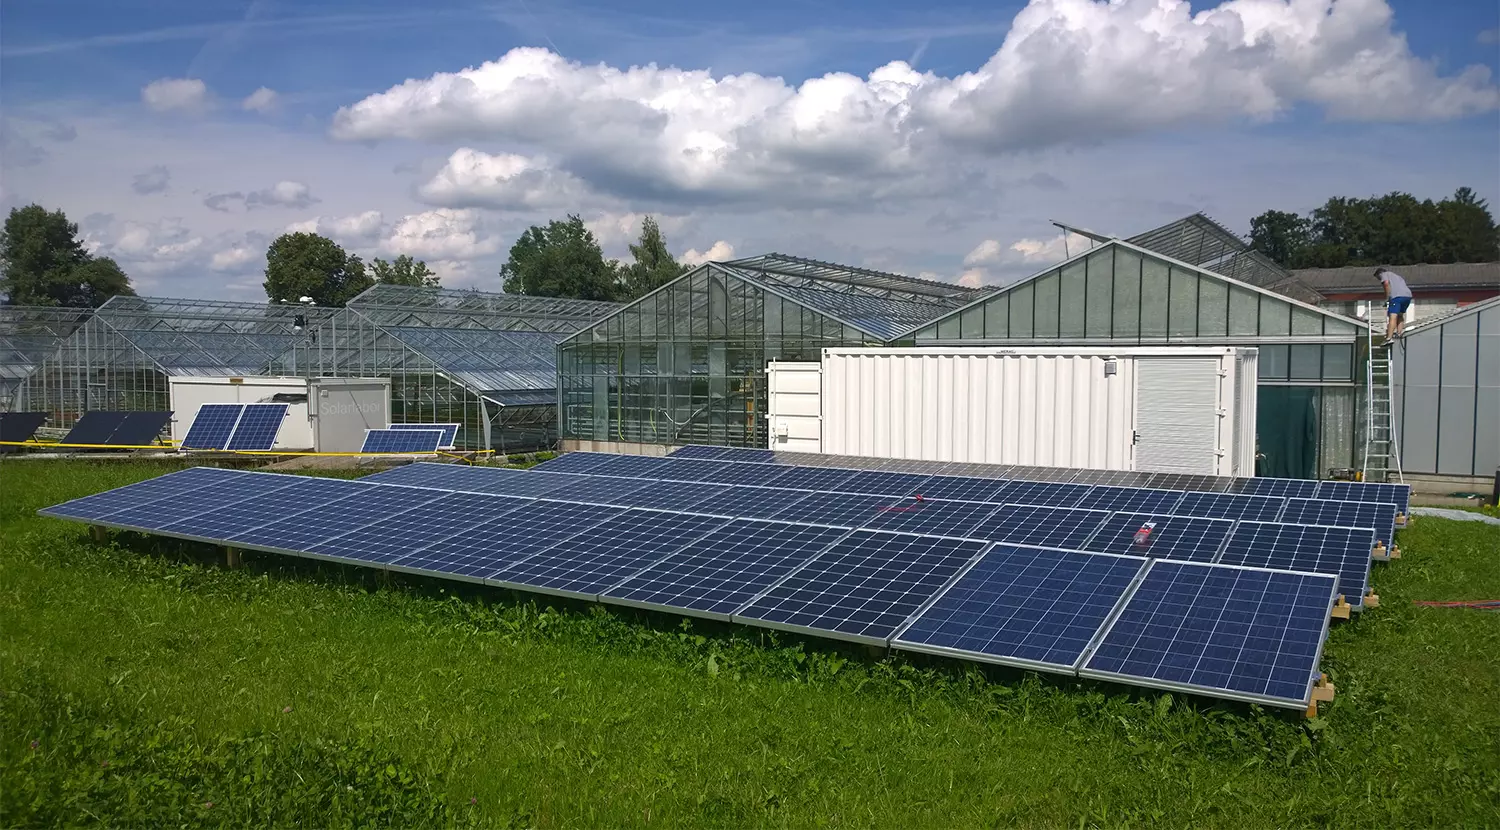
x=1397 y=300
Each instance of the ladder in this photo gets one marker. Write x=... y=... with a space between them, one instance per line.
x=1381 y=453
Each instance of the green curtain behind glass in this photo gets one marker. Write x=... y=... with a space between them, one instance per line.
x=1287 y=431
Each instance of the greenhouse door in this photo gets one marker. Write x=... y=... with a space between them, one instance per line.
x=1177 y=415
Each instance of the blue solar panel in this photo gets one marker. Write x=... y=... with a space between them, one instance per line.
x=825 y=479
x=1376 y=516
x=212 y=426
x=717 y=574
x=1029 y=607
x=675 y=469
x=840 y=509
x=500 y=481
x=367 y=504
x=490 y=546
x=745 y=454
x=1397 y=494
x=883 y=484
x=140 y=429
x=631 y=466
x=1134 y=499
x=402 y=440
x=1188 y=481
x=672 y=495
x=1051 y=527
x=166 y=487
x=1254 y=635
x=1042 y=493
x=935 y=518
x=258 y=426
x=420 y=474
x=750 y=502
x=1227 y=506
x=607 y=554
x=450 y=432
x=576 y=462
x=1165 y=537
x=962 y=488
x=404 y=536
x=1276 y=487
x=862 y=588
x=153 y=516
x=600 y=489
x=1340 y=551
x=302 y=494
x=697 y=451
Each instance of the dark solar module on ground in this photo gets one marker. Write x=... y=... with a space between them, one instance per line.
x=140 y=429
x=450 y=432
x=19 y=426
x=95 y=428
x=401 y=440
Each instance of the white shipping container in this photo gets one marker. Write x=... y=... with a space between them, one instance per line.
x=189 y=393
x=1184 y=409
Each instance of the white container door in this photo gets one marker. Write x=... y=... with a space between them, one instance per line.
x=794 y=406
x=1177 y=415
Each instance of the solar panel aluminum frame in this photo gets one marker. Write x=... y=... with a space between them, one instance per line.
x=366 y=442
x=1205 y=691
x=1018 y=662
x=830 y=634
x=446 y=444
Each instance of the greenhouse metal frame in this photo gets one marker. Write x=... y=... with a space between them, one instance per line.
x=28 y=335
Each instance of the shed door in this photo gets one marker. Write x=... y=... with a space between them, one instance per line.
x=1177 y=415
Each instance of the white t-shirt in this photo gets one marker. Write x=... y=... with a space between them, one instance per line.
x=1399 y=288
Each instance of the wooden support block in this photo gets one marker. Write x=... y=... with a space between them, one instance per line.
x=1395 y=552
x=232 y=558
x=1372 y=600
x=1323 y=691
x=98 y=532
x=1402 y=520
x=1312 y=709
x=1379 y=551
x=1341 y=609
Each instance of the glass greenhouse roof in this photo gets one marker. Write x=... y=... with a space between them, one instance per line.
x=207 y=337
x=29 y=334
x=452 y=308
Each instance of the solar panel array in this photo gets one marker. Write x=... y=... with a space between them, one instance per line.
x=122 y=429
x=1126 y=590
x=235 y=426
x=402 y=440
x=450 y=432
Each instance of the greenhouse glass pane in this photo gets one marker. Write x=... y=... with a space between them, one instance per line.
x=1154 y=288
x=1339 y=327
x=997 y=317
x=1071 y=301
x=1338 y=361
x=926 y=334
x=773 y=316
x=1306 y=321
x=971 y=323
x=1021 y=305
x=1183 y=306
x=1244 y=306
x=1275 y=317
x=1273 y=362
x=1306 y=361
x=1127 y=295
x=1099 y=292
x=1213 y=308
x=948 y=328
x=1046 y=305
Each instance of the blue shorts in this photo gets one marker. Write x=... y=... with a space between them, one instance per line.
x=1398 y=305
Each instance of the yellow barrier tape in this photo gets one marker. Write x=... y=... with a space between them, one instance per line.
x=231 y=452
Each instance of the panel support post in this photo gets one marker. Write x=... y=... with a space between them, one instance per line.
x=98 y=533
x=1322 y=692
x=232 y=558
x=1341 y=609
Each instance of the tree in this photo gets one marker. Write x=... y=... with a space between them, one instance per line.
x=654 y=265
x=42 y=262
x=308 y=265
x=403 y=271
x=1279 y=235
x=1394 y=229
x=560 y=260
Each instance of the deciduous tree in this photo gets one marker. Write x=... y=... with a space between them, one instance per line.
x=308 y=265
x=1394 y=229
x=42 y=262
x=560 y=260
x=403 y=271
x=654 y=265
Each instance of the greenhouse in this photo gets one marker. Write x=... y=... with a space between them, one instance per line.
x=686 y=363
x=28 y=334
x=484 y=361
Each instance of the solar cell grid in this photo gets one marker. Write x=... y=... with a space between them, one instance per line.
x=1376 y=516
x=212 y=426
x=367 y=504
x=420 y=474
x=404 y=537
x=1029 y=607
x=576 y=462
x=1043 y=493
x=749 y=502
x=697 y=451
x=1397 y=494
x=450 y=432
x=302 y=494
x=1340 y=551
x=1167 y=537
x=839 y=509
x=258 y=427
x=1047 y=474
x=1112 y=478
x=401 y=440
x=1053 y=527
x=157 y=514
x=722 y=571
x=605 y=555
x=863 y=587
x=1229 y=506
x=673 y=495
x=1251 y=634
x=825 y=479
x=961 y=488
x=492 y=545
x=883 y=484
x=499 y=481
x=1131 y=498
x=1185 y=481
x=745 y=455
x=630 y=466
x=934 y=518
x=600 y=489
x=719 y=472
x=1277 y=487
x=182 y=482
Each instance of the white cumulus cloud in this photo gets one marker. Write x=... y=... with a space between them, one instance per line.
x=262 y=100
x=717 y=252
x=359 y=227
x=281 y=194
x=442 y=234
x=471 y=178
x=234 y=258
x=175 y=94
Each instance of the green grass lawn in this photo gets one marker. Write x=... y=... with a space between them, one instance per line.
x=140 y=684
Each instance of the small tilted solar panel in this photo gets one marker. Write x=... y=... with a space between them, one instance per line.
x=140 y=429
x=19 y=426
x=212 y=426
x=450 y=432
x=1241 y=633
x=402 y=440
x=258 y=427
x=95 y=428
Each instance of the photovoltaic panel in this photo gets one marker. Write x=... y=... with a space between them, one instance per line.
x=863 y=587
x=155 y=515
x=1112 y=478
x=500 y=481
x=600 y=490
x=1043 y=493
x=94 y=428
x=302 y=494
x=722 y=571
x=1051 y=527
x=576 y=462
x=366 y=505
x=607 y=554
x=491 y=546
x=1397 y=494
x=1028 y=607
x=1170 y=537
x=401 y=440
x=1131 y=498
x=719 y=472
x=404 y=537
x=168 y=486
x=840 y=509
x=212 y=426
x=258 y=426
x=450 y=432
x=1376 y=516
x=418 y=474
x=19 y=426
x=1186 y=481
x=1341 y=551
x=824 y=479
x=746 y=454
x=1276 y=487
x=630 y=466
x=1248 y=634
x=140 y=429
x=914 y=465
x=673 y=495
x=697 y=451
x=1050 y=474
x=961 y=488
x=934 y=518
x=883 y=484
x=1229 y=506
x=750 y=502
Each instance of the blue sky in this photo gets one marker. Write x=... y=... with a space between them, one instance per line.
x=132 y=116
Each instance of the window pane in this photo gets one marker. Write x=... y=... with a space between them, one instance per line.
x=1154 y=288
x=1244 y=306
x=1127 y=294
x=927 y=334
x=1020 y=311
x=996 y=317
x=1183 y=306
x=1071 y=299
x=1046 y=306
x=948 y=328
x=971 y=323
x=1306 y=361
x=1275 y=317
x=1338 y=362
x=1273 y=360
x=1213 y=307
x=1100 y=295
x=1306 y=321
